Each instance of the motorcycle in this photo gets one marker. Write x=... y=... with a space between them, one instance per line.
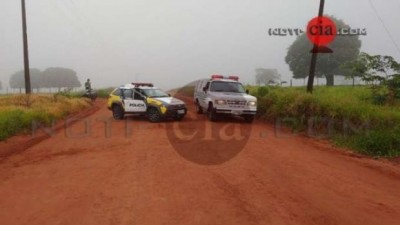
x=91 y=94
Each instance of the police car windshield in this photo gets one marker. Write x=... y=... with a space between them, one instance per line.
x=219 y=86
x=154 y=93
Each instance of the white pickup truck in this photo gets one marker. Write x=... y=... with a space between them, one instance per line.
x=224 y=95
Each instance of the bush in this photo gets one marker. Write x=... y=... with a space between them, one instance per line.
x=262 y=91
x=337 y=104
x=11 y=122
x=380 y=142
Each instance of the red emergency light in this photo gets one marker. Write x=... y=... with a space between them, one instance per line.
x=236 y=78
x=215 y=76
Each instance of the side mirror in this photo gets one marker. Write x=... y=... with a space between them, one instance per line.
x=247 y=91
x=204 y=89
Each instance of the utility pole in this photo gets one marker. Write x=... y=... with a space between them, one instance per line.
x=25 y=46
x=311 y=76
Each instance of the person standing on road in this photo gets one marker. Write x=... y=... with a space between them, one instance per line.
x=88 y=85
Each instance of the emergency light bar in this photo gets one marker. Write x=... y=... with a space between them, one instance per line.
x=142 y=84
x=236 y=78
x=233 y=78
x=217 y=77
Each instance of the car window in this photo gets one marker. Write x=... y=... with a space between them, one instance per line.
x=219 y=86
x=137 y=95
x=127 y=93
x=155 y=93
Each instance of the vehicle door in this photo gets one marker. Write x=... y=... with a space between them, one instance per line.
x=139 y=101
x=130 y=103
x=203 y=93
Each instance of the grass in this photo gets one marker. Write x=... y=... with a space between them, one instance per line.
x=348 y=112
x=17 y=112
x=104 y=92
x=101 y=93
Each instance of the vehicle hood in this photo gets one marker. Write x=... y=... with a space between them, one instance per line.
x=170 y=100
x=232 y=95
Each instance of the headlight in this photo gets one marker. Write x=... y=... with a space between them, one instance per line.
x=220 y=102
x=252 y=103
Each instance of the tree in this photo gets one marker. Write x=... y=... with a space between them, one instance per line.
x=60 y=78
x=382 y=73
x=17 y=79
x=384 y=65
x=50 y=78
x=267 y=76
x=374 y=69
x=358 y=67
x=345 y=48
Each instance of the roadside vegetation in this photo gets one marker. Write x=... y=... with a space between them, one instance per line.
x=104 y=92
x=363 y=118
x=348 y=115
x=18 y=112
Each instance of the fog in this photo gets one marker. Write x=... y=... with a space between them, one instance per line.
x=173 y=42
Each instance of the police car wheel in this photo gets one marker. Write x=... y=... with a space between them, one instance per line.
x=153 y=115
x=118 y=112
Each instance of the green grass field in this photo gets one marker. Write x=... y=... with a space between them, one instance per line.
x=17 y=112
x=348 y=113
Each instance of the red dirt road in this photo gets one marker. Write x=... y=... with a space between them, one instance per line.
x=109 y=178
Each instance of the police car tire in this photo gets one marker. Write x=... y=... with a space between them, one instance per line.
x=153 y=114
x=118 y=112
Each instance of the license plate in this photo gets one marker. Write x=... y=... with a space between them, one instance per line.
x=237 y=112
x=181 y=111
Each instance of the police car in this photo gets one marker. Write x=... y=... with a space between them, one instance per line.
x=145 y=99
x=224 y=95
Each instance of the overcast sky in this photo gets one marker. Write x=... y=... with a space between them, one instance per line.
x=173 y=42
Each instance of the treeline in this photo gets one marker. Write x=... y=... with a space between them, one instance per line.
x=56 y=77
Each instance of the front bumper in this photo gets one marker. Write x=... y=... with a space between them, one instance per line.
x=236 y=112
x=175 y=112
